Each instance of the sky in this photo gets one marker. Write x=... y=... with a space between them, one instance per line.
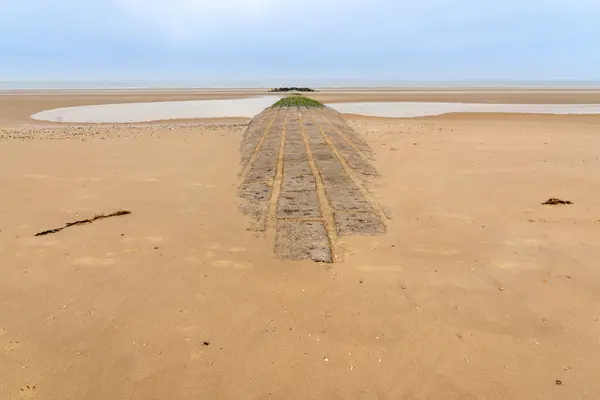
x=300 y=41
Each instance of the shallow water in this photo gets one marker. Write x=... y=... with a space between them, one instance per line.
x=155 y=111
x=406 y=109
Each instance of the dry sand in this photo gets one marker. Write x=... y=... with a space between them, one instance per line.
x=476 y=291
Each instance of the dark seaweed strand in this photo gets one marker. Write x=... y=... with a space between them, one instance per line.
x=84 y=221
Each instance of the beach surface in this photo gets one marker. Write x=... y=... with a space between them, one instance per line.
x=475 y=291
x=17 y=107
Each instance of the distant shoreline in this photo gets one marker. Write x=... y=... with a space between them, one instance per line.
x=260 y=86
x=244 y=92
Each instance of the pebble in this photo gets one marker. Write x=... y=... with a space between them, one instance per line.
x=107 y=131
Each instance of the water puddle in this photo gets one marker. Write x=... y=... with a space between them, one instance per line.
x=169 y=110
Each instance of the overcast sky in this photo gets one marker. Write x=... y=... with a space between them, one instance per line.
x=420 y=40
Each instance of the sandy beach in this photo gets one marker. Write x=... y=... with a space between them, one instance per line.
x=475 y=291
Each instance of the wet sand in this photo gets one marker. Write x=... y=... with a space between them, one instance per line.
x=17 y=106
x=476 y=290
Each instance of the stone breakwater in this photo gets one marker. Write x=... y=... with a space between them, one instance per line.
x=304 y=179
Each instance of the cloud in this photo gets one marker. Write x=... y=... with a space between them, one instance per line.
x=190 y=19
x=186 y=18
x=189 y=12
x=397 y=37
x=182 y=19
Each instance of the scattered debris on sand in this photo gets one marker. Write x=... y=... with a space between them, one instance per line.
x=84 y=221
x=105 y=131
x=553 y=201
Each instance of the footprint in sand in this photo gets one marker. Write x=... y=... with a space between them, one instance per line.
x=155 y=239
x=41 y=241
x=520 y=265
x=132 y=240
x=89 y=179
x=202 y=185
x=437 y=252
x=210 y=254
x=381 y=268
x=35 y=176
x=230 y=264
x=189 y=329
x=194 y=260
x=92 y=262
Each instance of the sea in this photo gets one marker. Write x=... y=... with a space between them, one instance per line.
x=263 y=83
